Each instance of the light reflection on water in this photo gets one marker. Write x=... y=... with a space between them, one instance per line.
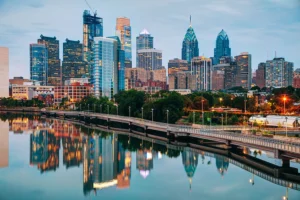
x=52 y=159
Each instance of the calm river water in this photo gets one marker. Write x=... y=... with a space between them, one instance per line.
x=53 y=159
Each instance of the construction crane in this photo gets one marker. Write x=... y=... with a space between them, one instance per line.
x=94 y=12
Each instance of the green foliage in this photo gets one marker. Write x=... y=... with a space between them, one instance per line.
x=12 y=103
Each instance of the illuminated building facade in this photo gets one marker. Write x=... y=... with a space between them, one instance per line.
x=202 y=69
x=123 y=31
x=73 y=65
x=260 y=78
x=39 y=63
x=54 y=68
x=149 y=59
x=279 y=73
x=244 y=70
x=177 y=65
x=296 y=78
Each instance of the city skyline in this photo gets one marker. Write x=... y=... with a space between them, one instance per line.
x=260 y=35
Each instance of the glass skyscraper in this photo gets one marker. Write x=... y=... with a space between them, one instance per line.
x=150 y=59
x=190 y=48
x=202 y=69
x=39 y=63
x=279 y=73
x=222 y=47
x=105 y=67
x=143 y=41
x=92 y=27
x=123 y=30
x=73 y=65
x=54 y=67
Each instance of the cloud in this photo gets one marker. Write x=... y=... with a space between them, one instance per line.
x=36 y=4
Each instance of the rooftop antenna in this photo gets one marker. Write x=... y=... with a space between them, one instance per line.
x=190 y=20
x=275 y=54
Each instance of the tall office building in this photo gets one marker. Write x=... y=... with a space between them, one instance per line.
x=176 y=65
x=39 y=63
x=73 y=65
x=244 y=70
x=279 y=73
x=105 y=67
x=4 y=72
x=222 y=47
x=260 y=78
x=182 y=80
x=296 y=78
x=92 y=27
x=150 y=59
x=190 y=48
x=123 y=31
x=54 y=68
x=143 y=41
x=202 y=69
x=230 y=75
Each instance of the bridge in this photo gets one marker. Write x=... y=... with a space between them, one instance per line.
x=220 y=134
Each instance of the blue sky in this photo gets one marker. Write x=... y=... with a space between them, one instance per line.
x=259 y=27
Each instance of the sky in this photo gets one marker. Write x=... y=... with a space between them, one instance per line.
x=259 y=27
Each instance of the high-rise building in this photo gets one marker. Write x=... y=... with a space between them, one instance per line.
x=296 y=78
x=92 y=27
x=4 y=72
x=230 y=75
x=105 y=67
x=244 y=70
x=39 y=63
x=73 y=65
x=279 y=73
x=182 y=80
x=218 y=77
x=190 y=48
x=222 y=47
x=177 y=65
x=150 y=59
x=202 y=69
x=260 y=78
x=143 y=41
x=123 y=31
x=54 y=68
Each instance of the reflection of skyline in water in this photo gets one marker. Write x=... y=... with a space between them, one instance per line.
x=4 y=144
x=105 y=158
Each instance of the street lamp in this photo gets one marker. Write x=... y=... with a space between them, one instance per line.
x=222 y=122
x=202 y=113
x=245 y=105
x=286 y=118
x=221 y=99
x=152 y=113
x=251 y=180
x=129 y=108
x=226 y=118
x=100 y=108
x=142 y=113
x=168 y=117
x=193 y=117
x=284 y=100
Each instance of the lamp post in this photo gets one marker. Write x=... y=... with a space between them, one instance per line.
x=142 y=113
x=286 y=118
x=202 y=112
x=129 y=108
x=94 y=108
x=108 y=109
x=222 y=122
x=168 y=117
x=221 y=99
x=193 y=117
x=245 y=105
x=152 y=113
x=100 y=108
x=284 y=100
x=251 y=180
x=226 y=118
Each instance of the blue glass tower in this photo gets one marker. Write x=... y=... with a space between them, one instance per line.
x=190 y=48
x=105 y=74
x=39 y=63
x=143 y=41
x=222 y=47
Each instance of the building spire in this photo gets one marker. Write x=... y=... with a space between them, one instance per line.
x=190 y=20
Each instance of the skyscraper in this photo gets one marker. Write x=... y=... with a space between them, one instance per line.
x=54 y=68
x=123 y=30
x=261 y=75
x=105 y=67
x=150 y=59
x=177 y=65
x=73 y=65
x=39 y=63
x=244 y=70
x=143 y=41
x=222 y=47
x=296 y=78
x=202 y=69
x=4 y=72
x=279 y=73
x=190 y=48
x=92 y=27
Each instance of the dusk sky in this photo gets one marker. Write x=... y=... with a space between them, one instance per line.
x=259 y=27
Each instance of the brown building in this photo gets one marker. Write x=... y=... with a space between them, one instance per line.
x=18 y=81
x=177 y=65
x=182 y=80
x=218 y=79
x=296 y=78
x=260 y=79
